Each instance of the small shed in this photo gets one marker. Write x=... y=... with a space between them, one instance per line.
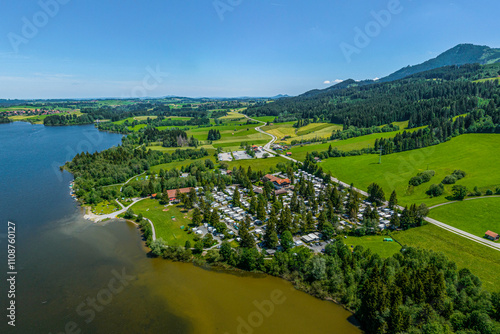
x=491 y=235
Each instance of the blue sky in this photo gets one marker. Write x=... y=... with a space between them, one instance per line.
x=90 y=48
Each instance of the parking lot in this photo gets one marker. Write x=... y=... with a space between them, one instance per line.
x=225 y=157
x=241 y=155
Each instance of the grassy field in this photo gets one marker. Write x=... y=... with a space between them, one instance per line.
x=38 y=119
x=105 y=207
x=179 y=164
x=313 y=130
x=474 y=216
x=376 y=243
x=265 y=118
x=257 y=164
x=484 y=262
x=167 y=228
x=476 y=154
x=357 y=143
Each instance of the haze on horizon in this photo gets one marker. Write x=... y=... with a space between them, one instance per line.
x=92 y=49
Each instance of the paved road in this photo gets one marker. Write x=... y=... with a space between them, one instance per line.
x=482 y=241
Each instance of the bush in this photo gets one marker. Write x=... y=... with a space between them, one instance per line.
x=489 y=192
x=459 y=174
x=449 y=179
x=422 y=178
x=435 y=190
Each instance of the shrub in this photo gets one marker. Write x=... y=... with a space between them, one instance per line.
x=489 y=192
x=422 y=178
x=449 y=179
x=435 y=190
x=459 y=174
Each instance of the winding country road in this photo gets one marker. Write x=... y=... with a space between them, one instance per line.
x=479 y=240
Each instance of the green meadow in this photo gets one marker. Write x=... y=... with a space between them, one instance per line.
x=356 y=143
x=167 y=223
x=476 y=154
x=375 y=243
x=313 y=130
x=475 y=216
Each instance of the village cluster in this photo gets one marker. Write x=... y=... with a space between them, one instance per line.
x=233 y=216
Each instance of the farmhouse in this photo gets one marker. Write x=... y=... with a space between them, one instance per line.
x=491 y=235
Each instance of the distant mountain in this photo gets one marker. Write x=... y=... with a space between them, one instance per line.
x=280 y=96
x=459 y=55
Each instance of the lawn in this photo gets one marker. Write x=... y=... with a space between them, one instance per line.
x=167 y=228
x=484 y=262
x=475 y=216
x=476 y=154
x=376 y=243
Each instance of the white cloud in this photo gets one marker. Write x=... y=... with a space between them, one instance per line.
x=336 y=81
x=375 y=79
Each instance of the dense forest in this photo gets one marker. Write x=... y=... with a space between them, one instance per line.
x=92 y=171
x=444 y=92
x=73 y=119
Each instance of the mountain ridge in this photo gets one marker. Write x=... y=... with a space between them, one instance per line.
x=460 y=54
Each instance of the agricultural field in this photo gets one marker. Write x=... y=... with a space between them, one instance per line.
x=167 y=220
x=265 y=118
x=356 y=143
x=232 y=115
x=313 y=130
x=484 y=262
x=476 y=154
x=476 y=215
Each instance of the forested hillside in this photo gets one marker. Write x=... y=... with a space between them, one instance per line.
x=421 y=99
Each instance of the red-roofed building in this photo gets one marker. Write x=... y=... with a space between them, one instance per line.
x=173 y=193
x=491 y=235
x=278 y=183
